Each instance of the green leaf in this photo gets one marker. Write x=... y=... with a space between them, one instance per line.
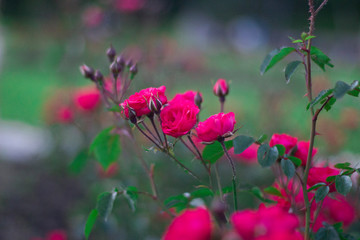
x=288 y=167
x=281 y=149
x=290 y=69
x=241 y=143
x=321 y=96
x=273 y=191
x=79 y=162
x=320 y=58
x=262 y=139
x=202 y=192
x=327 y=233
x=297 y=41
x=105 y=203
x=90 y=222
x=309 y=37
x=345 y=165
x=258 y=194
x=316 y=186
x=341 y=88
x=274 y=57
x=178 y=202
x=214 y=152
x=343 y=184
x=266 y=155
x=329 y=104
x=114 y=108
x=131 y=196
x=106 y=147
x=295 y=160
x=330 y=179
x=321 y=193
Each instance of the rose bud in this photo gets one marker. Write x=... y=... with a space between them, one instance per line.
x=87 y=71
x=155 y=105
x=98 y=77
x=115 y=68
x=215 y=127
x=221 y=88
x=111 y=53
x=121 y=60
x=198 y=99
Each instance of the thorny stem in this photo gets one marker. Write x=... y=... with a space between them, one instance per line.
x=233 y=172
x=317 y=213
x=313 y=14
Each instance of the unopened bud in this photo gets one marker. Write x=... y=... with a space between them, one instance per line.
x=221 y=88
x=155 y=105
x=132 y=115
x=87 y=71
x=98 y=76
x=129 y=63
x=115 y=68
x=198 y=99
x=218 y=208
x=111 y=53
x=133 y=71
x=121 y=60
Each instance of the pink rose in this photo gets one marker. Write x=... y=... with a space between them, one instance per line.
x=218 y=125
x=87 y=99
x=221 y=88
x=139 y=101
x=335 y=210
x=194 y=224
x=248 y=156
x=302 y=151
x=319 y=174
x=186 y=96
x=286 y=140
x=265 y=223
x=178 y=118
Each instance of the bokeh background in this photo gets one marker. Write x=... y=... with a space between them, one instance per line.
x=182 y=44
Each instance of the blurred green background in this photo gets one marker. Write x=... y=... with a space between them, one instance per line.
x=181 y=44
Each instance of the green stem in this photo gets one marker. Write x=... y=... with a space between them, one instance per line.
x=233 y=174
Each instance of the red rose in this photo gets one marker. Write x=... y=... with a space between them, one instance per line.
x=319 y=174
x=221 y=88
x=178 y=118
x=87 y=99
x=302 y=151
x=139 y=101
x=192 y=224
x=266 y=223
x=286 y=140
x=216 y=126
